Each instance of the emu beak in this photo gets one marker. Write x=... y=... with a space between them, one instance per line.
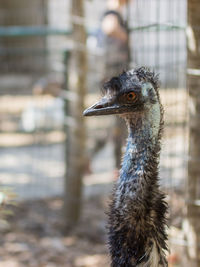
x=106 y=106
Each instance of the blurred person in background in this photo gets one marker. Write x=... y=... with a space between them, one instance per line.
x=115 y=38
x=115 y=41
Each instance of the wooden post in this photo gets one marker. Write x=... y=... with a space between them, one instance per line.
x=192 y=225
x=75 y=151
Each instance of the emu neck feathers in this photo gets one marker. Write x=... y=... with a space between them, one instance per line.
x=137 y=212
x=143 y=138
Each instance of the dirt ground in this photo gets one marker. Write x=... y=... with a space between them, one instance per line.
x=35 y=235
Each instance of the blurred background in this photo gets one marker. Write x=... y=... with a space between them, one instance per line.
x=57 y=168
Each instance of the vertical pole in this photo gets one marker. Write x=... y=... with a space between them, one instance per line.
x=75 y=152
x=193 y=185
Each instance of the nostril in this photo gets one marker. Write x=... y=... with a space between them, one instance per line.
x=98 y=106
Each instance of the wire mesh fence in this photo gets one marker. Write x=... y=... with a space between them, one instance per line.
x=157 y=40
x=33 y=66
x=33 y=51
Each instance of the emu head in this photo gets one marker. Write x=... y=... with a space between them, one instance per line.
x=134 y=91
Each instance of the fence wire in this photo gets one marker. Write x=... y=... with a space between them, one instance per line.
x=33 y=67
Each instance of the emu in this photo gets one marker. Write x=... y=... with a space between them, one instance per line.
x=137 y=212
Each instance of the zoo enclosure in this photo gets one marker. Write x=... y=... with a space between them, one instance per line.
x=33 y=48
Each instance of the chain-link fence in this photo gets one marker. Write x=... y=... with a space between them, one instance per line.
x=33 y=50
x=33 y=46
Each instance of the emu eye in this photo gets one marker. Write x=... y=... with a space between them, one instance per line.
x=131 y=96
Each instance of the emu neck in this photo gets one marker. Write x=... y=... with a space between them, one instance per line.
x=143 y=139
x=137 y=215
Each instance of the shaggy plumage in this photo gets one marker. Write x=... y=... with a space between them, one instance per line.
x=136 y=222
